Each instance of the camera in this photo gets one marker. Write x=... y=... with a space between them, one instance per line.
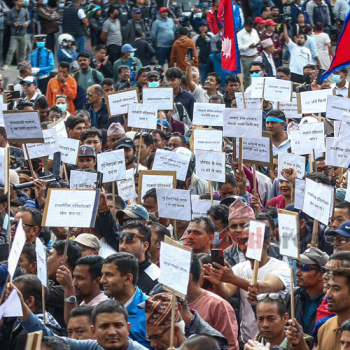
x=284 y=19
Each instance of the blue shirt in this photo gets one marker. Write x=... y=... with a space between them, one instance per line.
x=310 y=306
x=94 y=115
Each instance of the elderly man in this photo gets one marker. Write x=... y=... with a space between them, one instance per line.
x=266 y=56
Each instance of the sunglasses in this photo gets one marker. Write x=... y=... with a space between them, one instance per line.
x=15 y=224
x=306 y=268
x=341 y=240
x=254 y=71
x=272 y=296
x=128 y=237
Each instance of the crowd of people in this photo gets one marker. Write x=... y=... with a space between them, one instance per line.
x=103 y=290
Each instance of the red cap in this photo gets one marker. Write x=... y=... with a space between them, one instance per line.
x=270 y=22
x=259 y=20
x=162 y=9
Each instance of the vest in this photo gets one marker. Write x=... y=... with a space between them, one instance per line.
x=71 y=22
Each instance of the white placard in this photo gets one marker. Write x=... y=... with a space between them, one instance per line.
x=337 y=152
x=288 y=160
x=344 y=129
x=208 y=140
x=251 y=103
x=336 y=106
x=299 y=194
x=200 y=207
x=278 y=90
x=118 y=103
x=257 y=87
x=174 y=204
x=2 y=165
x=242 y=123
x=314 y=101
x=60 y=128
x=82 y=180
x=297 y=146
x=112 y=165
x=255 y=240
x=48 y=148
x=175 y=267
x=143 y=116
x=12 y=307
x=156 y=181
x=210 y=165
x=317 y=201
x=126 y=188
x=72 y=208
x=208 y=114
x=312 y=135
x=69 y=149
x=171 y=161
x=290 y=109
x=41 y=259
x=256 y=150
x=16 y=248
x=347 y=194
x=162 y=97
x=288 y=233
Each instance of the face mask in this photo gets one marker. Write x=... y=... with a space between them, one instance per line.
x=26 y=3
x=153 y=84
x=337 y=79
x=61 y=5
x=174 y=3
x=40 y=44
x=217 y=239
x=199 y=15
x=255 y=75
x=132 y=54
x=45 y=2
x=62 y=107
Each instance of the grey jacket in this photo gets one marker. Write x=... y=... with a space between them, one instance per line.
x=21 y=16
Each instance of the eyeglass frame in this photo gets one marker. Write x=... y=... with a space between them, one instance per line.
x=156 y=337
x=15 y=223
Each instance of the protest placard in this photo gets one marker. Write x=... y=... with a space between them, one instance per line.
x=344 y=129
x=48 y=148
x=312 y=135
x=60 y=127
x=175 y=262
x=317 y=201
x=208 y=140
x=69 y=149
x=288 y=160
x=112 y=165
x=209 y=114
x=336 y=125
x=299 y=193
x=12 y=307
x=23 y=126
x=347 y=194
x=149 y=179
x=336 y=106
x=16 y=248
x=210 y=166
x=142 y=116
x=256 y=151
x=251 y=103
x=278 y=90
x=82 y=180
x=72 y=208
x=290 y=109
x=174 y=204
x=255 y=240
x=118 y=102
x=126 y=188
x=313 y=101
x=41 y=259
x=337 y=152
x=2 y=166
x=201 y=206
x=297 y=146
x=241 y=123
x=288 y=230
x=171 y=161
x=163 y=97
x=257 y=87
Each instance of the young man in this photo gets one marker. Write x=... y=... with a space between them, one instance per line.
x=158 y=232
x=101 y=62
x=146 y=146
x=159 y=141
x=75 y=127
x=31 y=223
x=341 y=85
x=128 y=145
x=127 y=60
x=92 y=137
x=79 y=324
x=340 y=236
x=87 y=158
x=232 y=86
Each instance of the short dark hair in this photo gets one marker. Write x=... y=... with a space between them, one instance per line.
x=284 y=70
x=311 y=66
x=36 y=215
x=29 y=251
x=208 y=224
x=232 y=78
x=54 y=343
x=343 y=205
x=118 y=200
x=318 y=177
x=196 y=268
x=216 y=75
x=304 y=35
x=201 y=341
x=41 y=102
x=230 y=179
x=95 y=265
x=73 y=251
x=345 y=326
x=342 y=272
x=279 y=302
x=73 y=120
x=109 y=306
x=142 y=228
x=182 y=137
x=82 y=310
x=91 y=133
x=123 y=67
x=23 y=104
x=265 y=217
x=84 y=55
x=216 y=97
x=183 y=31
x=141 y=71
x=107 y=81
x=276 y=113
x=173 y=73
x=64 y=65
x=56 y=109
x=138 y=33
x=219 y=212
x=159 y=132
x=249 y=22
x=260 y=64
x=147 y=138
x=111 y=9
x=100 y=47
x=161 y=232
x=150 y=193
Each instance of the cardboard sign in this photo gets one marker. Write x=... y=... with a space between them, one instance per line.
x=2 y=165
x=163 y=97
x=255 y=240
x=208 y=140
x=48 y=148
x=34 y=340
x=112 y=165
x=41 y=258
x=118 y=102
x=290 y=109
x=23 y=126
x=69 y=149
x=344 y=129
x=337 y=152
x=257 y=87
x=288 y=230
x=312 y=135
x=82 y=180
x=60 y=127
x=16 y=248
x=210 y=166
x=174 y=204
x=251 y=103
x=278 y=90
x=175 y=262
x=299 y=194
x=287 y=160
x=126 y=188
x=336 y=106
x=149 y=179
x=143 y=116
x=242 y=123
x=313 y=101
x=209 y=114
x=201 y=206
x=171 y=161
x=72 y=208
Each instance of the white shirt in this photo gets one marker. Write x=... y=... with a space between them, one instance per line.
x=81 y=14
x=272 y=62
x=341 y=91
x=300 y=56
x=201 y=95
x=283 y=147
x=245 y=39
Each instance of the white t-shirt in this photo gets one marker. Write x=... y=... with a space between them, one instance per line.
x=274 y=267
x=300 y=56
x=81 y=14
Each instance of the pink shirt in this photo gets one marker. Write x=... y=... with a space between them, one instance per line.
x=98 y=298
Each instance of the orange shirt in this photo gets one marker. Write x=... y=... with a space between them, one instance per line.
x=55 y=88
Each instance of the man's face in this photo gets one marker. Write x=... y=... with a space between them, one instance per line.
x=321 y=167
x=146 y=151
x=64 y=72
x=86 y=163
x=111 y=331
x=249 y=28
x=159 y=336
x=110 y=206
x=164 y=14
x=259 y=26
x=338 y=246
x=79 y=328
x=84 y=63
x=129 y=156
x=275 y=12
x=330 y=264
x=112 y=281
x=107 y=89
x=76 y=132
x=301 y=40
x=283 y=76
x=134 y=245
x=275 y=128
x=43 y=114
x=155 y=244
x=29 y=227
x=112 y=140
x=219 y=225
x=342 y=75
x=30 y=268
x=338 y=295
x=211 y=83
x=92 y=96
x=29 y=89
x=308 y=279
x=274 y=170
x=174 y=142
x=235 y=227
x=256 y=69
x=345 y=340
x=232 y=87
x=142 y=79
x=95 y=142
x=87 y=122
x=100 y=55
x=158 y=142
x=174 y=83
x=227 y=190
x=85 y=251
x=198 y=238
x=124 y=74
x=340 y=215
x=54 y=261
x=82 y=281
x=53 y=116
x=137 y=16
x=150 y=204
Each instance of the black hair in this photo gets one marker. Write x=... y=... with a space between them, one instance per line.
x=230 y=179
x=216 y=75
x=100 y=47
x=73 y=251
x=123 y=67
x=111 y=10
x=73 y=120
x=36 y=215
x=183 y=31
x=208 y=224
x=64 y=65
x=95 y=265
x=304 y=35
x=195 y=269
x=161 y=231
x=54 y=343
x=279 y=302
x=173 y=73
x=219 y=212
x=232 y=78
x=41 y=102
x=150 y=193
x=345 y=326
x=142 y=228
x=55 y=109
x=320 y=159
x=318 y=177
x=182 y=137
x=216 y=97
x=23 y=104
x=276 y=113
x=138 y=33
x=107 y=81
x=141 y=71
x=84 y=55
x=159 y=132
x=147 y=138
x=109 y=307
x=218 y=45
x=249 y=22
x=319 y=26
x=201 y=341
x=119 y=201
x=272 y=211
x=264 y=8
x=343 y=205
x=260 y=64
x=149 y=161
x=284 y=70
x=29 y=251
x=310 y=66
x=208 y=197
x=82 y=310
x=265 y=217
x=91 y=133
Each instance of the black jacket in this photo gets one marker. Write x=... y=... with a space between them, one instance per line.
x=106 y=227
x=147 y=279
x=105 y=69
x=102 y=117
x=144 y=51
x=129 y=31
x=268 y=67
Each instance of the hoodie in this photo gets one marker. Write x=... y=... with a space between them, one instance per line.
x=179 y=52
x=162 y=32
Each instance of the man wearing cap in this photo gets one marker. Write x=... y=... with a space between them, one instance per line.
x=131 y=213
x=267 y=58
x=89 y=244
x=135 y=23
x=115 y=132
x=128 y=145
x=162 y=33
x=127 y=59
x=153 y=78
x=340 y=237
x=30 y=90
x=43 y=60
x=25 y=70
x=309 y=295
x=270 y=32
x=87 y=158
x=259 y=24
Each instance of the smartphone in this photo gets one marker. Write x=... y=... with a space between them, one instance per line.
x=14 y=94
x=190 y=53
x=11 y=87
x=320 y=72
x=99 y=180
x=217 y=255
x=229 y=158
x=56 y=163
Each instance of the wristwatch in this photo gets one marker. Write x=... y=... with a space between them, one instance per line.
x=71 y=300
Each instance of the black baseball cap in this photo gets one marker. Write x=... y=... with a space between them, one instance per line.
x=126 y=142
x=158 y=67
x=87 y=151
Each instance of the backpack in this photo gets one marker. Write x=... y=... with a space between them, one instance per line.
x=80 y=100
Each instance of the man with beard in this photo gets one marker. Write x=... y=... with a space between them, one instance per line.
x=128 y=145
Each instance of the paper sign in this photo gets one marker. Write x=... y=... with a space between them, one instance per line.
x=143 y=116
x=174 y=204
x=288 y=229
x=16 y=248
x=336 y=125
x=200 y=207
x=112 y=165
x=41 y=259
x=69 y=149
x=297 y=146
x=336 y=106
x=290 y=109
x=337 y=152
x=12 y=307
x=210 y=166
x=163 y=97
x=48 y=148
x=23 y=126
x=347 y=195
x=175 y=262
x=251 y=103
x=299 y=194
x=317 y=201
x=72 y=208
x=314 y=101
x=208 y=140
x=255 y=240
x=2 y=165
x=242 y=123
x=60 y=127
x=171 y=161
x=126 y=188
x=257 y=87
x=312 y=135
x=118 y=102
x=344 y=129
x=287 y=160
x=82 y=180
x=278 y=90
x=208 y=114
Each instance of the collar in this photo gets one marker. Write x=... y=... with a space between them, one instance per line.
x=130 y=300
x=188 y=326
x=144 y=264
x=34 y=96
x=315 y=298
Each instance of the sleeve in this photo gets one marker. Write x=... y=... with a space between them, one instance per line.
x=107 y=227
x=313 y=49
x=33 y=324
x=154 y=30
x=107 y=70
x=49 y=95
x=198 y=93
x=291 y=45
x=281 y=271
x=210 y=21
x=336 y=9
x=100 y=77
x=105 y=26
x=173 y=55
x=190 y=107
x=70 y=90
x=94 y=26
x=241 y=46
x=310 y=12
x=81 y=14
x=50 y=64
x=150 y=50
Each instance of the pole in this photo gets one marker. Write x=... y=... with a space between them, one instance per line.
x=66 y=249
x=43 y=302
x=113 y=194
x=314 y=238
x=30 y=162
x=292 y=304
x=139 y=152
x=255 y=192
x=8 y=189
x=172 y=328
x=211 y=189
x=240 y=156
x=255 y=272
x=176 y=236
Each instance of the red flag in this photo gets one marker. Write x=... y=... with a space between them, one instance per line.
x=230 y=58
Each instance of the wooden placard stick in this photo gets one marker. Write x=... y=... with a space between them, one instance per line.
x=292 y=303
x=255 y=272
x=30 y=162
x=139 y=152
x=172 y=328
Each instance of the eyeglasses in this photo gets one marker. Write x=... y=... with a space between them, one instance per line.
x=156 y=336
x=341 y=240
x=129 y=237
x=254 y=71
x=61 y=96
x=125 y=72
x=306 y=268
x=88 y=94
x=15 y=224
x=325 y=169
x=272 y=296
